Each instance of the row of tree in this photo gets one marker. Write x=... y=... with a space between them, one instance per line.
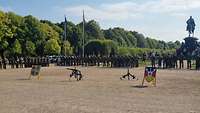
x=28 y=36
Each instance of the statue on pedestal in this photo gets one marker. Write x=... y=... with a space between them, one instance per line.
x=190 y=49
x=190 y=26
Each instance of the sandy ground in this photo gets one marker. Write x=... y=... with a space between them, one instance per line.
x=101 y=91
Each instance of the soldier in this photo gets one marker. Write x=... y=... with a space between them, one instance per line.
x=12 y=62
x=189 y=63
x=160 y=61
x=181 y=63
x=198 y=62
x=0 y=63
x=175 y=61
x=165 y=64
x=17 y=62
x=43 y=61
x=144 y=57
x=4 y=63
x=98 y=61
x=64 y=61
x=121 y=61
x=21 y=62
x=153 y=60
x=136 y=61
x=28 y=62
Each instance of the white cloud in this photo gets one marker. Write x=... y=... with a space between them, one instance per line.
x=130 y=10
x=104 y=12
x=141 y=14
x=164 y=6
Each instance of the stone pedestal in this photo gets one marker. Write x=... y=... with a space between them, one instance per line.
x=189 y=46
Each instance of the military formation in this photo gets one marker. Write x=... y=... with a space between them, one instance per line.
x=104 y=61
x=23 y=62
x=173 y=61
x=114 y=61
x=161 y=61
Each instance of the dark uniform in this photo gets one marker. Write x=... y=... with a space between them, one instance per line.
x=4 y=63
x=181 y=63
x=153 y=60
x=198 y=62
x=189 y=63
x=0 y=63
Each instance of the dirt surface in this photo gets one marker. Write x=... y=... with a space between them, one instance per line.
x=101 y=91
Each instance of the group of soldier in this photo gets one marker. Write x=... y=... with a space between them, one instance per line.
x=157 y=60
x=105 y=61
x=23 y=62
x=174 y=61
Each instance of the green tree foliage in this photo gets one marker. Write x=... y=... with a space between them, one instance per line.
x=52 y=47
x=5 y=33
x=141 y=41
x=55 y=27
x=101 y=47
x=48 y=32
x=30 y=48
x=123 y=51
x=93 y=30
x=30 y=36
x=16 y=48
x=115 y=35
x=94 y=47
x=76 y=40
x=67 y=49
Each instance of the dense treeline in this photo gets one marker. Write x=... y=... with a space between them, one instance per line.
x=28 y=36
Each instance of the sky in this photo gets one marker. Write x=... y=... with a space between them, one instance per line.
x=158 y=19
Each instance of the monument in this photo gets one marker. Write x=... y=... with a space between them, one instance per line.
x=191 y=44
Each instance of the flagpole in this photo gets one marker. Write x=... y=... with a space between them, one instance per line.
x=83 y=44
x=65 y=35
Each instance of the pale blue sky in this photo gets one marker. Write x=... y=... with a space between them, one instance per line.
x=159 y=19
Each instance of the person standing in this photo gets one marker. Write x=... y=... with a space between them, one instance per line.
x=0 y=63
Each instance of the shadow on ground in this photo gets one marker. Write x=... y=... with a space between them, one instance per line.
x=139 y=86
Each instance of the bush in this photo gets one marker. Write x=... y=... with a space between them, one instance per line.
x=101 y=47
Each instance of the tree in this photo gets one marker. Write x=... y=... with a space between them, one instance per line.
x=30 y=48
x=93 y=30
x=52 y=47
x=76 y=40
x=29 y=36
x=94 y=47
x=66 y=48
x=101 y=47
x=48 y=32
x=114 y=34
x=141 y=42
x=152 y=43
x=123 y=51
x=109 y=47
x=5 y=33
x=16 y=48
x=53 y=26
